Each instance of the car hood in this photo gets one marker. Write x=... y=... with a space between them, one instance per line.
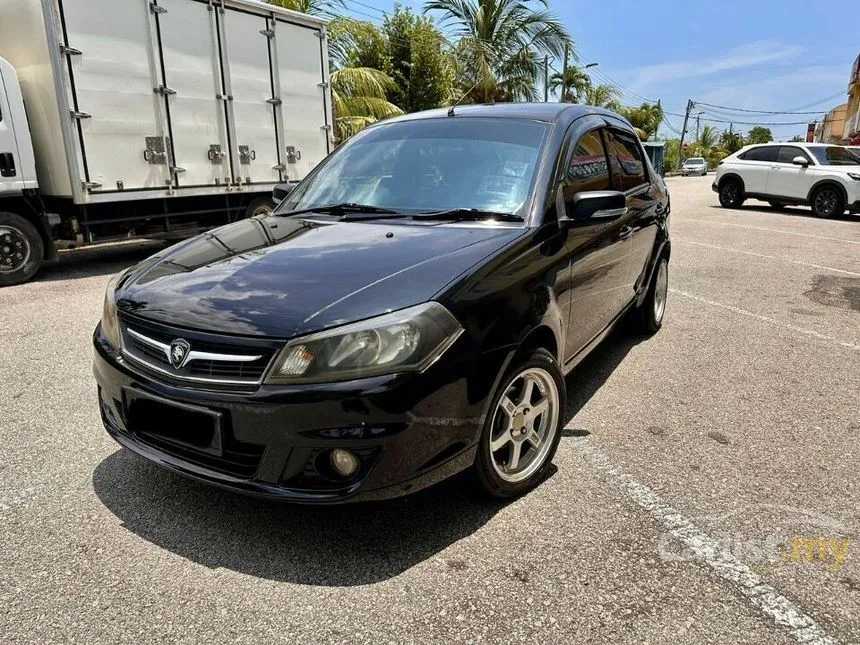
x=280 y=277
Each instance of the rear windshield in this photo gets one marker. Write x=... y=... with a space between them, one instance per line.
x=835 y=156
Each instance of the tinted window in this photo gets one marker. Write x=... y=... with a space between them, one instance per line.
x=788 y=153
x=587 y=169
x=765 y=153
x=835 y=156
x=430 y=165
x=625 y=160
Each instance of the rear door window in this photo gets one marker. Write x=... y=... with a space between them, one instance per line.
x=765 y=153
x=625 y=160
x=788 y=153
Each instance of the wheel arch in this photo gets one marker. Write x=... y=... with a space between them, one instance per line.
x=828 y=182
x=732 y=175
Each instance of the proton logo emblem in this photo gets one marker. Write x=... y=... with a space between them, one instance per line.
x=179 y=352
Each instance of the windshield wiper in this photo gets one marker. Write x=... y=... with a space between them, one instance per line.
x=467 y=213
x=346 y=209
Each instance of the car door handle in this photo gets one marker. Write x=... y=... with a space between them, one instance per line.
x=625 y=232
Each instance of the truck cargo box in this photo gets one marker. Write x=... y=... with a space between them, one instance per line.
x=135 y=99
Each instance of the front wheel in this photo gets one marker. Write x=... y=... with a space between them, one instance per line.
x=827 y=201
x=21 y=249
x=523 y=428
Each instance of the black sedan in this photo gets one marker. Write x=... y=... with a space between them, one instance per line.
x=409 y=310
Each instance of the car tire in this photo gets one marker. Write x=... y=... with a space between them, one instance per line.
x=647 y=318
x=827 y=201
x=514 y=428
x=731 y=194
x=21 y=249
x=260 y=206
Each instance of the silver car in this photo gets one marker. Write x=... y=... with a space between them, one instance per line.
x=695 y=166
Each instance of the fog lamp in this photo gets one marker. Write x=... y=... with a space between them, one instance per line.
x=344 y=462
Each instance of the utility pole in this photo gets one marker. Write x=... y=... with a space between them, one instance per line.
x=690 y=105
x=660 y=110
x=546 y=79
x=564 y=74
x=698 y=116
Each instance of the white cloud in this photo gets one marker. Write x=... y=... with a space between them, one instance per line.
x=743 y=56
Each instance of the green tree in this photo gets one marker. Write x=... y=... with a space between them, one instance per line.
x=327 y=8
x=647 y=117
x=671 y=154
x=731 y=141
x=356 y=43
x=759 y=134
x=605 y=96
x=578 y=81
x=500 y=45
x=797 y=139
x=417 y=60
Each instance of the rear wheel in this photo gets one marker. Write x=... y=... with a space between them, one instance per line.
x=21 y=249
x=648 y=317
x=731 y=194
x=827 y=201
x=260 y=206
x=523 y=428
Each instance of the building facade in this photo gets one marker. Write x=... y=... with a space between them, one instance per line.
x=851 y=134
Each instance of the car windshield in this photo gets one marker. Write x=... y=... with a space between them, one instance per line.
x=430 y=165
x=835 y=156
x=695 y=161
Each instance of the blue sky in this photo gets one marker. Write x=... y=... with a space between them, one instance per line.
x=756 y=54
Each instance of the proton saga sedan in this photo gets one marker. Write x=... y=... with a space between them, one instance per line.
x=407 y=312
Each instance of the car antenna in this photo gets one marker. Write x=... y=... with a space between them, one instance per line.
x=460 y=100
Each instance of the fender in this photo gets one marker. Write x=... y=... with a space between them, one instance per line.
x=731 y=175
x=828 y=182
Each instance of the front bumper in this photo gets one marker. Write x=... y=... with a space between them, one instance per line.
x=410 y=431
x=715 y=187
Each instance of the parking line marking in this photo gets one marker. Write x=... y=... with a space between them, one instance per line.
x=784 y=613
x=770 y=257
x=773 y=230
x=772 y=321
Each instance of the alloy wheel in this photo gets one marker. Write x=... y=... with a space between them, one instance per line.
x=661 y=288
x=14 y=249
x=524 y=425
x=825 y=202
x=730 y=192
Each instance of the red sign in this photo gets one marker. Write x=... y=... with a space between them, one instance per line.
x=685 y=147
x=810 y=133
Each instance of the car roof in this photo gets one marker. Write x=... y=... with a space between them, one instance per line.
x=808 y=144
x=547 y=112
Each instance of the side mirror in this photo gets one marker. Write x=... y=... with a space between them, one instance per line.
x=280 y=192
x=800 y=161
x=603 y=205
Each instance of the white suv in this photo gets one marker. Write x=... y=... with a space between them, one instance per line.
x=822 y=176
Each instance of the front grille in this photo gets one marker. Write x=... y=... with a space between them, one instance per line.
x=227 y=362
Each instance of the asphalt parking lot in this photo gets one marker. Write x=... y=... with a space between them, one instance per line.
x=706 y=489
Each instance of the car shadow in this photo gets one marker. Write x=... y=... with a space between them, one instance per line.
x=90 y=262
x=336 y=546
x=792 y=211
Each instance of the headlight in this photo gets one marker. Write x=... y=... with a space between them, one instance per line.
x=408 y=340
x=854 y=176
x=110 y=323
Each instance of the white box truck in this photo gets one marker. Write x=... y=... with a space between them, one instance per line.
x=150 y=118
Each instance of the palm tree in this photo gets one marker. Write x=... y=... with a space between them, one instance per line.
x=501 y=44
x=358 y=96
x=707 y=137
x=326 y=8
x=577 y=84
x=605 y=96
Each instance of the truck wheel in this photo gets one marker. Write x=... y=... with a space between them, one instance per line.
x=21 y=249
x=260 y=206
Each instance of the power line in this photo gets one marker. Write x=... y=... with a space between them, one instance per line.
x=362 y=4
x=730 y=109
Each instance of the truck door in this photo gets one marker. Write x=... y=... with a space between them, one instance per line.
x=112 y=72
x=303 y=92
x=249 y=84
x=192 y=77
x=10 y=180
